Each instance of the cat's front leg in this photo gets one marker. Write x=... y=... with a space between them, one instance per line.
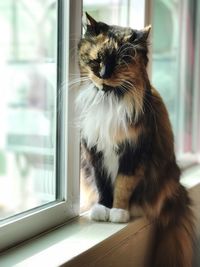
x=123 y=189
x=101 y=210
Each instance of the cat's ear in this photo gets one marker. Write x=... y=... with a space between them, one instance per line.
x=90 y=21
x=93 y=27
x=140 y=36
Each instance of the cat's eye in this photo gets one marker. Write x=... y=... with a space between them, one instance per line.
x=94 y=65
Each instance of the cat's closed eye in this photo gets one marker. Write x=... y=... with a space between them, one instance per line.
x=94 y=64
x=105 y=66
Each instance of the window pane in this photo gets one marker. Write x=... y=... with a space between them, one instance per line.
x=28 y=31
x=165 y=58
x=173 y=64
x=119 y=12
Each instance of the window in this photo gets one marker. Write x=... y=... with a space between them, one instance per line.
x=39 y=169
x=39 y=142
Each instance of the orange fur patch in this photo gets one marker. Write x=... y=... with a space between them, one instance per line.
x=168 y=191
x=124 y=187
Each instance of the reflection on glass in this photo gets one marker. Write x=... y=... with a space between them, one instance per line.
x=27 y=102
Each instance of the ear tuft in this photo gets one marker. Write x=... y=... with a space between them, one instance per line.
x=93 y=27
x=146 y=32
x=140 y=36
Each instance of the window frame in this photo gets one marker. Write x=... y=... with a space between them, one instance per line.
x=26 y=225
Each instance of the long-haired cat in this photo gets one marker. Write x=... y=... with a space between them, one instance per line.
x=128 y=142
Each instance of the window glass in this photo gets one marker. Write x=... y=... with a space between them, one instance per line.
x=173 y=64
x=165 y=57
x=28 y=31
x=118 y=12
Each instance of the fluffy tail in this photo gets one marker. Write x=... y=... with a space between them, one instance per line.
x=175 y=233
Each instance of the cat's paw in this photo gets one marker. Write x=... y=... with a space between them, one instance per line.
x=119 y=215
x=99 y=213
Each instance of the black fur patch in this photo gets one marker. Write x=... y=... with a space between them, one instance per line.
x=103 y=182
x=100 y=27
x=132 y=155
x=117 y=91
x=109 y=61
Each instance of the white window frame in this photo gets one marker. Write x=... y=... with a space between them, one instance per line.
x=26 y=225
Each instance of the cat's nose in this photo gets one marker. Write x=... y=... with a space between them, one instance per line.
x=107 y=66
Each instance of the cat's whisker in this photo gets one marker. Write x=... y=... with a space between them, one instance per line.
x=138 y=108
x=124 y=50
x=145 y=101
x=148 y=104
x=124 y=89
x=125 y=63
x=129 y=47
x=128 y=84
x=121 y=48
x=125 y=56
x=136 y=96
x=78 y=80
x=125 y=45
x=78 y=74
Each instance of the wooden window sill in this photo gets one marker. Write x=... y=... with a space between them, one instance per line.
x=84 y=243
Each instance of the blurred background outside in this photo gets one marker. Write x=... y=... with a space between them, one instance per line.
x=28 y=48
x=28 y=31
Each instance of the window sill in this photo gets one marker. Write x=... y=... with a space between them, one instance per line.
x=66 y=242
x=82 y=241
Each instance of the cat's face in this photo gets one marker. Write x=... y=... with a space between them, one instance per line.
x=110 y=55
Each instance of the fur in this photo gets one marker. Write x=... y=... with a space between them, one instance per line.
x=128 y=140
x=106 y=116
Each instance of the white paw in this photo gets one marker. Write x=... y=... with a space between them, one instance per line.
x=119 y=215
x=99 y=213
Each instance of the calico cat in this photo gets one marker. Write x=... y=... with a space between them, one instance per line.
x=128 y=142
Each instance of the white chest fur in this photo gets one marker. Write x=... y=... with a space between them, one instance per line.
x=101 y=117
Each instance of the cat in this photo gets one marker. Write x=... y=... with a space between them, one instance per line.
x=127 y=141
